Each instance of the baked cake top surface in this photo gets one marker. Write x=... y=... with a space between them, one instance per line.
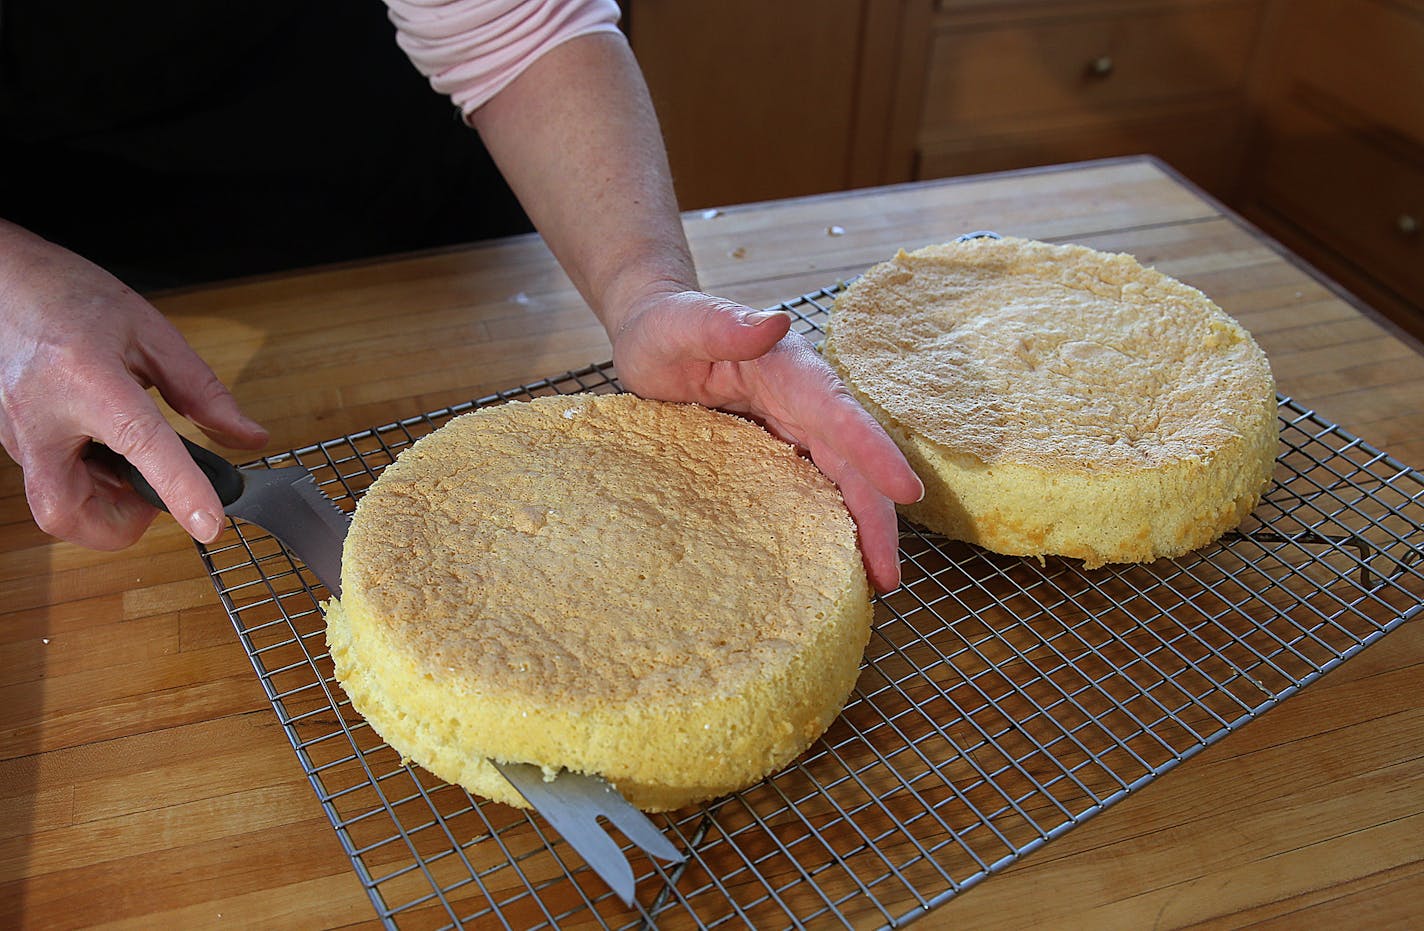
x=590 y=549
x=1050 y=355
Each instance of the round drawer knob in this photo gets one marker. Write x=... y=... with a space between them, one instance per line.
x=1407 y=224
x=1101 y=67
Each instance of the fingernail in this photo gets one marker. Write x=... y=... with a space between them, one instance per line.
x=757 y=318
x=204 y=526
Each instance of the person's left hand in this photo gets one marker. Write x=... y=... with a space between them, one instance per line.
x=689 y=346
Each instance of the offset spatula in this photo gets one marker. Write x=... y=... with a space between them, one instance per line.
x=287 y=504
x=572 y=803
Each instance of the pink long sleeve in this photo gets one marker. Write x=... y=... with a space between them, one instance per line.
x=472 y=49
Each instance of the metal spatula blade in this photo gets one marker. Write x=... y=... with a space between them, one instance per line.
x=283 y=501
x=287 y=504
x=572 y=804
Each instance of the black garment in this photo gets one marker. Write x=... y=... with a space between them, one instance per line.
x=180 y=141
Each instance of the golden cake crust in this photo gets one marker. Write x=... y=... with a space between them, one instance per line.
x=656 y=593
x=1060 y=400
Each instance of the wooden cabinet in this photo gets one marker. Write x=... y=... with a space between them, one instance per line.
x=764 y=100
x=1336 y=165
x=1016 y=84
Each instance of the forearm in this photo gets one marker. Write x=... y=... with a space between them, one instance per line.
x=576 y=137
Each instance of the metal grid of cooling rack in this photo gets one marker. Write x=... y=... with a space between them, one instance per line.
x=1002 y=701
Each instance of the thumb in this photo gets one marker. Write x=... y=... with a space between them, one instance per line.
x=729 y=332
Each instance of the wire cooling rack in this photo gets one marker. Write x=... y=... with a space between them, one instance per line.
x=1002 y=701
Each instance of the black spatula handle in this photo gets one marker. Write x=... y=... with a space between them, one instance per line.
x=222 y=475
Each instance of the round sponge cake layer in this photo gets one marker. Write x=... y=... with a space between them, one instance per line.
x=1059 y=400
x=659 y=594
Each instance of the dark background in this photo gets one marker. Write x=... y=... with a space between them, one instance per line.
x=180 y=141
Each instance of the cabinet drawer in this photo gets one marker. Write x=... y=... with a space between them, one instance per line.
x=1205 y=144
x=983 y=72
x=1358 y=198
x=1368 y=55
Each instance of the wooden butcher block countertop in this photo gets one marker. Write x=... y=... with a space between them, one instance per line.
x=145 y=780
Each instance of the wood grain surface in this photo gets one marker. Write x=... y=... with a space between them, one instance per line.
x=145 y=782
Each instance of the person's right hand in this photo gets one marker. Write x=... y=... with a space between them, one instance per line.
x=79 y=350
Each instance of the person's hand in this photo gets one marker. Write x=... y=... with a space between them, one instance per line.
x=688 y=346
x=78 y=353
